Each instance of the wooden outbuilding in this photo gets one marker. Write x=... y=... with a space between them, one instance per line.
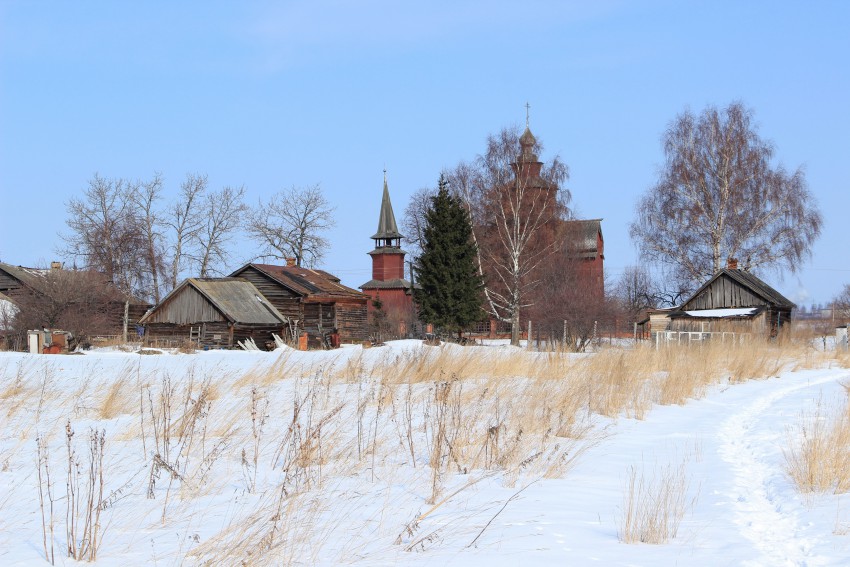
x=733 y=301
x=312 y=301
x=213 y=313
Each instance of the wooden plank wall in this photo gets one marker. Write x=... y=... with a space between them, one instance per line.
x=188 y=307
x=755 y=325
x=8 y=283
x=721 y=294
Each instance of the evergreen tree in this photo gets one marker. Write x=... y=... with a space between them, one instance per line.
x=449 y=287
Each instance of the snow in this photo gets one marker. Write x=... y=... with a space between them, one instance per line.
x=736 y=312
x=8 y=310
x=742 y=508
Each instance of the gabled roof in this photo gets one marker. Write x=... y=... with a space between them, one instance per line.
x=749 y=281
x=38 y=280
x=304 y=281
x=28 y=277
x=583 y=235
x=236 y=299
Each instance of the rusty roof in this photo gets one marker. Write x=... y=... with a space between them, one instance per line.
x=305 y=282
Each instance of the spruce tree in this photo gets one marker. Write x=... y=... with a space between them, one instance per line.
x=449 y=287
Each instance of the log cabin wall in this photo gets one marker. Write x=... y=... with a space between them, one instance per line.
x=285 y=301
x=261 y=334
x=352 y=322
x=319 y=318
x=211 y=335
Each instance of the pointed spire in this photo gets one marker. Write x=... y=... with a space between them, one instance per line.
x=387 y=228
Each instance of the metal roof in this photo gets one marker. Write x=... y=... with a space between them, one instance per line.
x=398 y=283
x=236 y=299
x=582 y=235
x=387 y=227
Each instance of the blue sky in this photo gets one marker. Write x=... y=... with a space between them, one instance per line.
x=274 y=94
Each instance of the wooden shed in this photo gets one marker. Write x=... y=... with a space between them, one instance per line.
x=312 y=300
x=733 y=301
x=213 y=313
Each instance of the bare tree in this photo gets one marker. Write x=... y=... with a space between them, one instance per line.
x=635 y=291
x=222 y=212
x=105 y=232
x=515 y=204
x=185 y=222
x=413 y=223
x=81 y=302
x=841 y=304
x=291 y=224
x=568 y=309
x=151 y=225
x=719 y=196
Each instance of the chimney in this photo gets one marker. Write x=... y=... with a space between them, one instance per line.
x=55 y=265
x=290 y=262
x=732 y=263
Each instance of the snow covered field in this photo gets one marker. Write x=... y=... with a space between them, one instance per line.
x=407 y=454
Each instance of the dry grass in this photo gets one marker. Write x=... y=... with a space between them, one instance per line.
x=653 y=505
x=285 y=435
x=818 y=457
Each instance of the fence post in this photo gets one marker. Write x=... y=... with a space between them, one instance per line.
x=529 y=335
x=126 y=319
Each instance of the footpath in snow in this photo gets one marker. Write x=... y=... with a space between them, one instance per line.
x=742 y=508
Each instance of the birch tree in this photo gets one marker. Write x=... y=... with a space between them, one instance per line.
x=184 y=221
x=515 y=202
x=151 y=226
x=222 y=213
x=720 y=195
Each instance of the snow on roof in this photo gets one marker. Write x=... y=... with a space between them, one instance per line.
x=736 y=312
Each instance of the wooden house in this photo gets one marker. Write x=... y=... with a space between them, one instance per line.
x=213 y=313
x=19 y=283
x=733 y=301
x=311 y=300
